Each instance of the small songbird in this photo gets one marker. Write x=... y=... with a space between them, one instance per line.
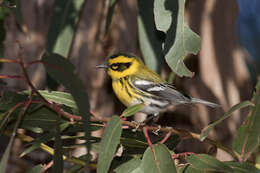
x=135 y=83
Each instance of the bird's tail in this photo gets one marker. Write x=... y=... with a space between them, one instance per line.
x=196 y=100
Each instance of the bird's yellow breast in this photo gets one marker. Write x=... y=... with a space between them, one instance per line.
x=124 y=92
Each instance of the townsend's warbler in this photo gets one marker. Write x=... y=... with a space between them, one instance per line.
x=135 y=83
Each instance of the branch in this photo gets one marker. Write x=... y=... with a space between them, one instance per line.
x=184 y=134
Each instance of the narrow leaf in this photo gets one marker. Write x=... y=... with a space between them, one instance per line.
x=243 y=167
x=18 y=12
x=109 y=143
x=129 y=166
x=208 y=128
x=248 y=135
x=189 y=169
x=64 y=20
x=110 y=13
x=35 y=169
x=208 y=163
x=150 y=39
x=63 y=71
x=5 y=157
x=58 y=97
x=158 y=160
x=57 y=158
x=132 y=110
x=43 y=118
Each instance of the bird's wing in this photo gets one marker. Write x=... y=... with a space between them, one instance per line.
x=160 y=90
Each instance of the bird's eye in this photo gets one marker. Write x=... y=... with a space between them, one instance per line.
x=114 y=66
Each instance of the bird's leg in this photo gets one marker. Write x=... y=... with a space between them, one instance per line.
x=157 y=130
x=137 y=125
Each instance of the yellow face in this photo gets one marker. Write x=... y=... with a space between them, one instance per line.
x=120 y=65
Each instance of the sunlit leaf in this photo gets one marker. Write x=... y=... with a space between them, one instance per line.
x=208 y=128
x=109 y=143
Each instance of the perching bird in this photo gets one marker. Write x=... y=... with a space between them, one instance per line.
x=135 y=83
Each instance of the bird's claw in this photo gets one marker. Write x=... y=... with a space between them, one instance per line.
x=156 y=132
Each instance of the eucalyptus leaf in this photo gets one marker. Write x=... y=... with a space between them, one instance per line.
x=35 y=169
x=63 y=71
x=129 y=166
x=132 y=110
x=58 y=97
x=208 y=128
x=64 y=20
x=109 y=143
x=157 y=160
x=150 y=39
x=206 y=162
x=248 y=135
x=180 y=39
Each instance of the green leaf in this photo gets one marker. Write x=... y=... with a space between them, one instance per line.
x=43 y=118
x=64 y=20
x=109 y=143
x=63 y=71
x=129 y=166
x=18 y=12
x=132 y=110
x=162 y=16
x=208 y=163
x=35 y=169
x=189 y=169
x=57 y=158
x=248 y=135
x=208 y=128
x=180 y=40
x=149 y=38
x=58 y=97
x=159 y=161
x=110 y=13
x=4 y=12
x=10 y=99
x=243 y=167
x=44 y=139
x=5 y=157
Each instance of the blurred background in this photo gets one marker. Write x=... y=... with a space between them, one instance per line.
x=225 y=69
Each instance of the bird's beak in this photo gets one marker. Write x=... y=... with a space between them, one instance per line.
x=102 y=66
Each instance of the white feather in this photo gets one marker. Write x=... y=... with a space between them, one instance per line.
x=155 y=88
x=143 y=82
